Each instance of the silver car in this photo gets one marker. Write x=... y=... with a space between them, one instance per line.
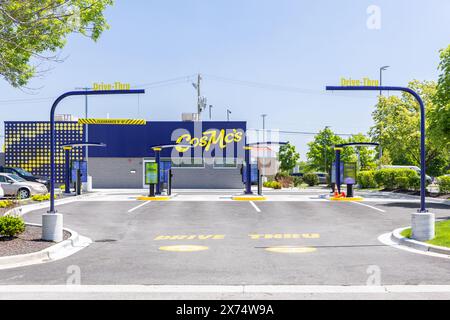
x=15 y=186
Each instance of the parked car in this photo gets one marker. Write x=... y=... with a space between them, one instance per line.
x=297 y=174
x=26 y=175
x=15 y=186
x=322 y=177
x=2 y=194
x=415 y=168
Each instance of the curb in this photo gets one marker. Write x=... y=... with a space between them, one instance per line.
x=53 y=253
x=249 y=198
x=411 y=197
x=418 y=245
x=22 y=210
x=163 y=198
x=347 y=199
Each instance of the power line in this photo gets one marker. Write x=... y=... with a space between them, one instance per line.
x=302 y=132
x=151 y=85
x=172 y=81
x=278 y=87
x=34 y=100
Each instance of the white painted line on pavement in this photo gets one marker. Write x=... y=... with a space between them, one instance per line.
x=366 y=205
x=139 y=206
x=255 y=206
x=223 y=289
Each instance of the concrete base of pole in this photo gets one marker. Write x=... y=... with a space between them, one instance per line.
x=423 y=226
x=52 y=227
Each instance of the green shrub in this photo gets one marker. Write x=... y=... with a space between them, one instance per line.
x=6 y=203
x=366 y=179
x=281 y=175
x=391 y=178
x=298 y=181
x=311 y=179
x=41 y=197
x=414 y=182
x=284 y=179
x=273 y=184
x=11 y=226
x=386 y=178
x=444 y=184
x=402 y=182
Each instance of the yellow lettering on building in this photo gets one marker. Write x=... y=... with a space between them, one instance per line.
x=209 y=138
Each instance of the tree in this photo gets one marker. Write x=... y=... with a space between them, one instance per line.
x=440 y=115
x=366 y=154
x=304 y=166
x=32 y=31
x=288 y=157
x=397 y=128
x=321 y=150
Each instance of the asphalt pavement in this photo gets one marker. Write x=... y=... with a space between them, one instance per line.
x=308 y=242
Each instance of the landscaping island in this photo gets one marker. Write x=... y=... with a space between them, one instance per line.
x=27 y=242
x=18 y=238
x=442 y=238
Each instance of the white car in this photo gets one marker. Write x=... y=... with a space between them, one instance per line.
x=17 y=187
x=415 y=168
x=2 y=193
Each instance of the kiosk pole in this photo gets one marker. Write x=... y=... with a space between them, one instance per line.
x=260 y=178
x=158 y=168
x=169 y=184
x=67 y=160
x=248 y=172
x=338 y=169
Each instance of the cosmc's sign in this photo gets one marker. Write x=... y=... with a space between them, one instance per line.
x=210 y=138
x=129 y=122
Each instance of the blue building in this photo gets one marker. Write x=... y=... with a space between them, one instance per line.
x=212 y=160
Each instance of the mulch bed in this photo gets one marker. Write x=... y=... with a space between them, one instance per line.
x=28 y=242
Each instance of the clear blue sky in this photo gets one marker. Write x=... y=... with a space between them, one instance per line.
x=302 y=44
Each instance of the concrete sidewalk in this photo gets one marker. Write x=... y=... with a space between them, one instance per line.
x=239 y=292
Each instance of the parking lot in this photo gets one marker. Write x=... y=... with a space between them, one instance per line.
x=295 y=239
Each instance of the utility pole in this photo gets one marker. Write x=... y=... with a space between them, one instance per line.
x=264 y=116
x=381 y=77
x=199 y=102
x=326 y=149
x=228 y=114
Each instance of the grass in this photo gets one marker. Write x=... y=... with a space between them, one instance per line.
x=442 y=234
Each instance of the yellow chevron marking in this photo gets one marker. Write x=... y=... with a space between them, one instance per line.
x=130 y=122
